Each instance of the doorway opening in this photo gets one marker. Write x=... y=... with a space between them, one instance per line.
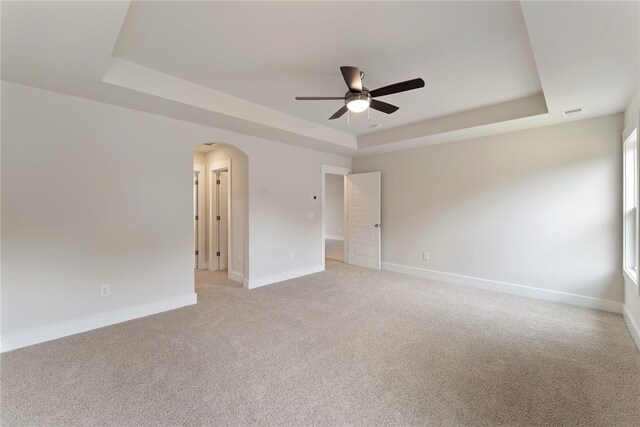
x=220 y=204
x=333 y=214
x=334 y=217
x=361 y=203
x=221 y=215
x=199 y=228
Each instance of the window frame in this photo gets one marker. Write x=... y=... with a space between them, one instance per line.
x=630 y=272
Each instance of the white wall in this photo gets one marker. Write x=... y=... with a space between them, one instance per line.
x=282 y=185
x=537 y=208
x=199 y=158
x=91 y=194
x=94 y=193
x=631 y=119
x=631 y=294
x=239 y=203
x=334 y=206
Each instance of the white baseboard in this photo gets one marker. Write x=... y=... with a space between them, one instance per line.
x=236 y=277
x=276 y=278
x=84 y=324
x=333 y=237
x=633 y=328
x=509 y=288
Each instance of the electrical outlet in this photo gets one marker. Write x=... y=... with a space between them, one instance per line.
x=292 y=257
x=105 y=290
x=426 y=256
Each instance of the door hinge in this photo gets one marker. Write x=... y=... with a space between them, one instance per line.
x=196 y=252
x=218 y=217
x=196 y=182
x=196 y=217
x=218 y=182
x=217 y=253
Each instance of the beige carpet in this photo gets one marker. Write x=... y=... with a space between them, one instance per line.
x=346 y=346
x=334 y=250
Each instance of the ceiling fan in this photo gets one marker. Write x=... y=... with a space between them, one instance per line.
x=359 y=98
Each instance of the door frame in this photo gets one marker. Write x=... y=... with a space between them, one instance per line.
x=199 y=171
x=334 y=170
x=213 y=207
x=351 y=257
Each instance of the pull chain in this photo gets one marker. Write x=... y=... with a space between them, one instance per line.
x=348 y=117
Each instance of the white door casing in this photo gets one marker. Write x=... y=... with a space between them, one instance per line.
x=199 y=198
x=363 y=219
x=335 y=170
x=195 y=216
x=213 y=171
x=223 y=223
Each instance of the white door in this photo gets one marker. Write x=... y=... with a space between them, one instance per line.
x=223 y=231
x=363 y=219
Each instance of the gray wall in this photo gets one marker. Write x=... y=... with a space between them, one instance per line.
x=538 y=208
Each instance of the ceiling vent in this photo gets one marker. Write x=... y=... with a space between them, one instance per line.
x=573 y=112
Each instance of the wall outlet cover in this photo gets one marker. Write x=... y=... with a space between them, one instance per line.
x=105 y=290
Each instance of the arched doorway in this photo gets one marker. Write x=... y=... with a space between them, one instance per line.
x=221 y=210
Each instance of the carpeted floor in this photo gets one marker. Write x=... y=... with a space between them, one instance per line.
x=345 y=346
x=334 y=250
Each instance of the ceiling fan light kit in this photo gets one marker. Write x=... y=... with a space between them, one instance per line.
x=358 y=102
x=359 y=98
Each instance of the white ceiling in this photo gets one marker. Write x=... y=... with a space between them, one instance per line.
x=489 y=67
x=204 y=149
x=471 y=54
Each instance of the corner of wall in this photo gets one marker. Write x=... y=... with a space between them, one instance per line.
x=281 y=277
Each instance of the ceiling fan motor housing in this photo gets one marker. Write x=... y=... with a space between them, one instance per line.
x=363 y=96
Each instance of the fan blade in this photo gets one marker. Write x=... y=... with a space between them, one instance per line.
x=383 y=106
x=352 y=78
x=398 y=87
x=317 y=98
x=339 y=113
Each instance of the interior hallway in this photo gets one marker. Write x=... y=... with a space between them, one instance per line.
x=334 y=250
x=207 y=278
